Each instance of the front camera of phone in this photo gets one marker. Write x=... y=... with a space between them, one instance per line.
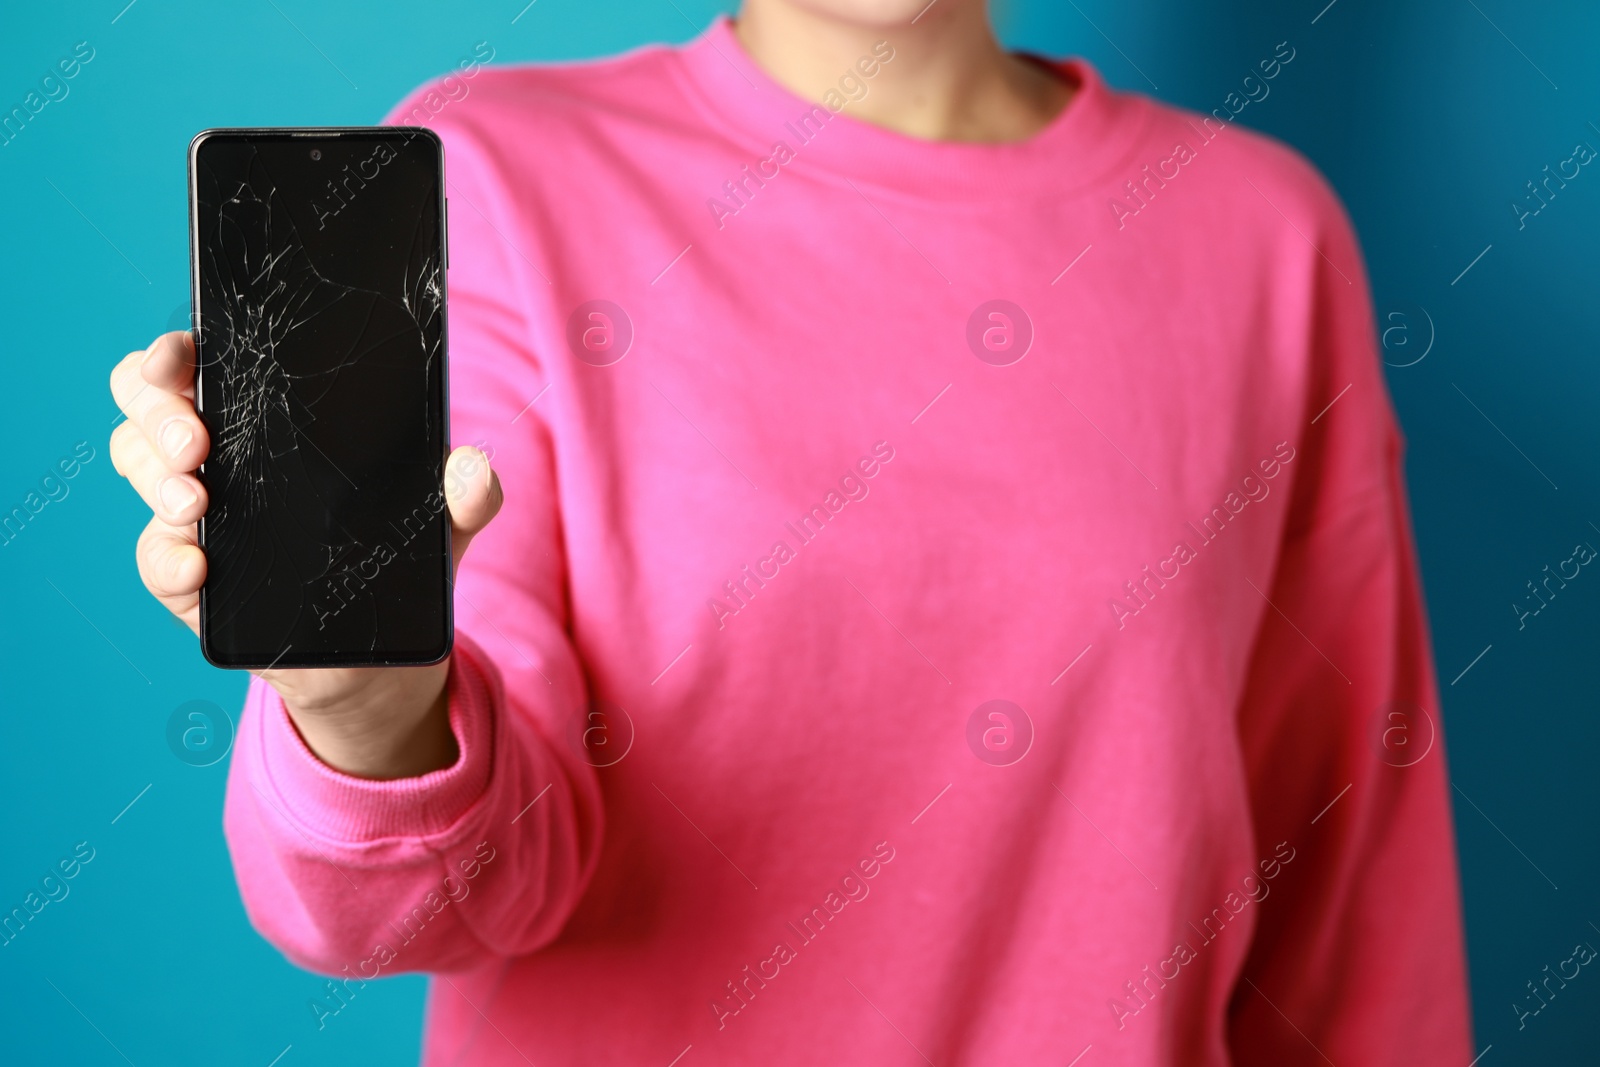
x=316 y=153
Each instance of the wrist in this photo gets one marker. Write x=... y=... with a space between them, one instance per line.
x=398 y=726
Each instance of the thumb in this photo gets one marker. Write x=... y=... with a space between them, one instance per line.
x=472 y=491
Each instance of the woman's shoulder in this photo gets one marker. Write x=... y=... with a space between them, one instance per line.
x=1223 y=153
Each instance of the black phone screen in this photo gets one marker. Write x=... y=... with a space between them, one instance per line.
x=318 y=263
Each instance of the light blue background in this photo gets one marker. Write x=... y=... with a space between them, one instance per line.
x=1425 y=115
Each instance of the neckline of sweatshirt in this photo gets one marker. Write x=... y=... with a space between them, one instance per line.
x=1091 y=136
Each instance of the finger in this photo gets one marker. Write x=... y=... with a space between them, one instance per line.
x=129 y=389
x=169 y=363
x=133 y=392
x=120 y=437
x=173 y=568
x=177 y=499
x=472 y=490
x=167 y=418
x=176 y=432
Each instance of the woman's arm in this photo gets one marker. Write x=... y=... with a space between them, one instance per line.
x=1358 y=953
x=489 y=855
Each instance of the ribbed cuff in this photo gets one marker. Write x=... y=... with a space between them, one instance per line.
x=342 y=808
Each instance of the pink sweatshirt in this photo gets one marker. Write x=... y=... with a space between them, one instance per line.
x=954 y=603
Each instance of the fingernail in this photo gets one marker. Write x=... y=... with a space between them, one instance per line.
x=176 y=435
x=175 y=494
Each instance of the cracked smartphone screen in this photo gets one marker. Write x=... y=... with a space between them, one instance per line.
x=318 y=271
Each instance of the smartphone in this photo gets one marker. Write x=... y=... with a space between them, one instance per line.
x=317 y=264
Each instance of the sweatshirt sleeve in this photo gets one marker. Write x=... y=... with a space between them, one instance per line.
x=488 y=857
x=1358 y=956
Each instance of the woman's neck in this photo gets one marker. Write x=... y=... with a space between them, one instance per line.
x=949 y=80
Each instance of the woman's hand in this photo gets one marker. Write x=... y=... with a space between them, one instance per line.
x=374 y=722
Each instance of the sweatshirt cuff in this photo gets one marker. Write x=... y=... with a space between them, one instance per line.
x=341 y=807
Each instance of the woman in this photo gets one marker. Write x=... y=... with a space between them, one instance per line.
x=952 y=597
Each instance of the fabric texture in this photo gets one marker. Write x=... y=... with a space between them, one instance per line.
x=817 y=441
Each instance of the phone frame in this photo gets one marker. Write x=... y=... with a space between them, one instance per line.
x=364 y=657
